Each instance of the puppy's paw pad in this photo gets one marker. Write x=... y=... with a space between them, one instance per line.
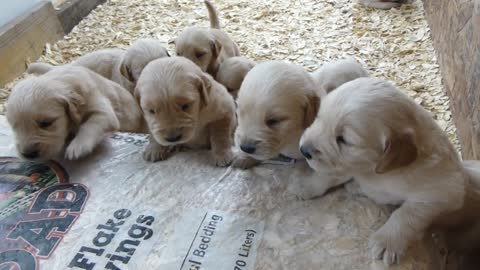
x=387 y=248
x=77 y=149
x=223 y=160
x=244 y=162
x=154 y=153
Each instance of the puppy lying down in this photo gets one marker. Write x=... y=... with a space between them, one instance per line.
x=397 y=154
x=232 y=71
x=206 y=47
x=185 y=107
x=333 y=74
x=122 y=67
x=276 y=102
x=69 y=107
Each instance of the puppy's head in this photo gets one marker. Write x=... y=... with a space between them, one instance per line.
x=364 y=126
x=232 y=72
x=138 y=55
x=200 y=46
x=172 y=92
x=276 y=103
x=43 y=113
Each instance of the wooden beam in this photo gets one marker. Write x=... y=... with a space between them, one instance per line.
x=25 y=38
x=455 y=29
x=72 y=12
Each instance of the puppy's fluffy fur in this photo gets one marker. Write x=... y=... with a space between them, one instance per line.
x=382 y=4
x=333 y=74
x=45 y=112
x=232 y=72
x=185 y=107
x=276 y=102
x=122 y=67
x=398 y=155
x=206 y=47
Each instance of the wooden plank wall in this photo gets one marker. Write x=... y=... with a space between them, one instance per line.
x=25 y=38
x=455 y=29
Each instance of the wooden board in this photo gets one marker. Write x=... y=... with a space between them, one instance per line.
x=72 y=12
x=25 y=38
x=455 y=29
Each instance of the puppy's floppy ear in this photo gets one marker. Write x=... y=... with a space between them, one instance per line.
x=73 y=103
x=311 y=109
x=215 y=47
x=400 y=150
x=204 y=86
x=125 y=71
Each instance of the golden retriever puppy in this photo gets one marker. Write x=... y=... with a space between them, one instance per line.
x=206 y=47
x=396 y=153
x=232 y=72
x=333 y=74
x=184 y=106
x=71 y=109
x=382 y=4
x=122 y=67
x=276 y=102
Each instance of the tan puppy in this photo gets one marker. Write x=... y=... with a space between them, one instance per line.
x=333 y=74
x=185 y=107
x=276 y=102
x=122 y=67
x=70 y=107
x=382 y=4
x=397 y=154
x=232 y=72
x=206 y=47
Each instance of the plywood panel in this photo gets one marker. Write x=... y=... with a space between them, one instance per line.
x=25 y=38
x=455 y=29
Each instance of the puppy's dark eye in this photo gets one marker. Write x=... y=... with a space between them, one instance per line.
x=272 y=122
x=44 y=124
x=185 y=107
x=199 y=54
x=340 y=140
x=151 y=111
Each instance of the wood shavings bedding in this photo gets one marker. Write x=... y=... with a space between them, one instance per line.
x=394 y=44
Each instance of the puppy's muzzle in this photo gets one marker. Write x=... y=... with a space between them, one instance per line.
x=30 y=152
x=248 y=148
x=308 y=151
x=174 y=135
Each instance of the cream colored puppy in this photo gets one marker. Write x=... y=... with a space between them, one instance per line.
x=382 y=4
x=185 y=107
x=395 y=151
x=122 y=67
x=232 y=72
x=333 y=74
x=276 y=102
x=206 y=47
x=69 y=107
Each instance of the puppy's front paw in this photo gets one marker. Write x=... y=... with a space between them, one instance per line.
x=387 y=247
x=155 y=152
x=244 y=162
x=224 y=159
x=79 y=148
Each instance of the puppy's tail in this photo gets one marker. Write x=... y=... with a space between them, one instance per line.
x=213 y=15
x=472 y=169
x=39 y=68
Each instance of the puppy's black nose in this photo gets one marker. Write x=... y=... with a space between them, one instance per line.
x=248 y=148
x=173 y=138
x=31 y=154
x=306 y=152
